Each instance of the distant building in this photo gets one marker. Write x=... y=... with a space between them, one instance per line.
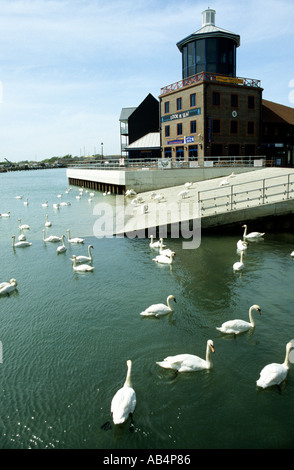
x=277 y=139
x=137 y=122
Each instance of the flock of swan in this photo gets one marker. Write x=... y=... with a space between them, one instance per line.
x=124 y=401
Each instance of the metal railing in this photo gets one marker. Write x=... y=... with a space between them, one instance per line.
x=168 y=163
x=244 y=195
x=211 y=77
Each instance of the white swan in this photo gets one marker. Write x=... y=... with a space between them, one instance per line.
x=159 y=197
x=251 y=234
x=74 y=240
x=158 y=310
x=19 y=197
x=5 y=215
x=52 y=238
x=56 y=206
x=45 y=204
x=124 y=401
x=62 y=248
x=156 y=244
x=189 y=362
x=21 y=237
x=242 y=245
x=47 y=223
x=81 y=259
x=81 y=267
x=188 y=184
x=274 y=374
x=292 y=254
x=239 y=265
x=23 y=226
x=239 y=326
x=166 y=251
x=224 y=183
x=162 y=259
x=183 y=193
x=19 y=244
x=7 y=287
x=26 y=202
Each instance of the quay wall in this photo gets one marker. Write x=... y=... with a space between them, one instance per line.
x=141 y=180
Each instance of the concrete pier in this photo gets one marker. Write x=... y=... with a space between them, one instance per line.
x=263 y=198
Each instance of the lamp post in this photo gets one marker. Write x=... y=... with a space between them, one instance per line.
x=102 y=150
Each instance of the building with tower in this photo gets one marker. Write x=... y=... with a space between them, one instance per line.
x=210 y=111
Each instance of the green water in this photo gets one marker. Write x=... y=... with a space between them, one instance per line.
x=66 y=337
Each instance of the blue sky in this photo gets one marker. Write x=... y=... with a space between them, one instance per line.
x=68 y=67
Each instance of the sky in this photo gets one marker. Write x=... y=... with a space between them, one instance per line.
x=68 y=67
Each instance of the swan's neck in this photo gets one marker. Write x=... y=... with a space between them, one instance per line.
x=251 y=316
x=208 y=360
x=128 y=377
x=287 y=361
x=241 y=257
x=245 y=231
x=89 y=251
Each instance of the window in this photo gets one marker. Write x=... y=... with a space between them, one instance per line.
x=251 y=102
x=234 y=101
x=179 y=104
x=167 y=131
x=192 y=127
x=250 y=127
x=166 y=107
x=167 y=152
x=179 y=129
x=234 y=127
x=216 y=98
x=192 y=100
x=216 y=126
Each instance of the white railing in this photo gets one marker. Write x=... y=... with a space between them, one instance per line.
x=168 y=163
x=244 y=195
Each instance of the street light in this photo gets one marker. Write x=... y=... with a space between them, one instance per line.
x=102 y=150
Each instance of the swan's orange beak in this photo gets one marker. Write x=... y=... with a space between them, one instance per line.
x=259 y=311
x=212 y=348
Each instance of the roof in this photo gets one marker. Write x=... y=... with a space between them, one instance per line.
x=149 y=141
x=125 y=113
x=278 y=113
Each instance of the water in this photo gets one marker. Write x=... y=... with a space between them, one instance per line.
x=66 y=337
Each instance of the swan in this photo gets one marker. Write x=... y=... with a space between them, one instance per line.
x=56 y=206
x=292 y=254
x=188 y=184
x=81 y=267
x=81 y=259
x=159 y=197
x=157 y=310
x=19 y=244
x=130 y=192
x=164 y=259
x=7 y=287
x=167 y=251
x=188 y=362
x=224 y=183
x=242 y=245
x=274 y=374
x=45 y=204
x=52 y=238
x=23 y=226
x=47 y=223
x=252 y=234
x=239 y=265
x=26 y=202
x=157 y=244
x=19 y=197
x=183 y=193
x=239 y=326
x=124 y=402
x=21 y=237
x=74 y=240
x=5 y=215
x=62 y=248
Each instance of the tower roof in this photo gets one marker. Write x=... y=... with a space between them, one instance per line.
x=209 y=29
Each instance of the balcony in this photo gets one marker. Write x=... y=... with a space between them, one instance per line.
x=210 y=77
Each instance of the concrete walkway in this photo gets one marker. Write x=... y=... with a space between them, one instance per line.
x=213 y=202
